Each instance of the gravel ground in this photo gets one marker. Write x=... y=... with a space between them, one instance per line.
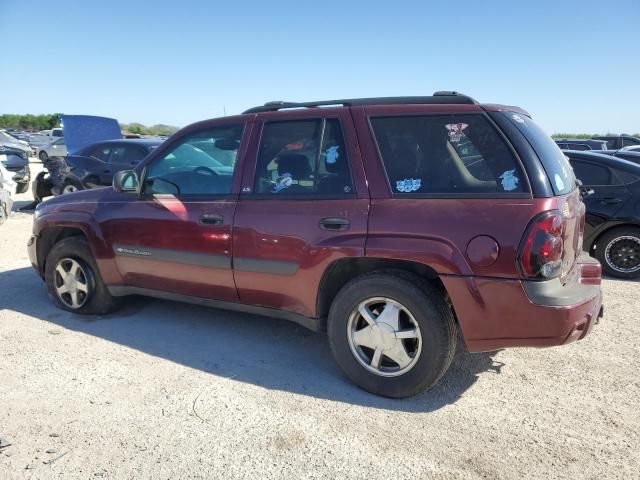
x=166 y=390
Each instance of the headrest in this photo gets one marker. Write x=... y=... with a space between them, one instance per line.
x=295 y=164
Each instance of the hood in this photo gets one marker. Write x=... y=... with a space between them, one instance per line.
x=15 y=145
x=83 y=130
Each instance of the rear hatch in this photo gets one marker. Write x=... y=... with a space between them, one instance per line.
x=563 y=184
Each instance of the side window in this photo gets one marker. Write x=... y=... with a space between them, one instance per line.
x=202 y=163
x=626 y=177
x=591 y=174
x=101 y=152
x=446 y=155
x=303 y=157
x=127 y=154
x=60 y=141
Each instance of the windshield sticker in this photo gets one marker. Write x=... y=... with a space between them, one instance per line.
x=282 y=182
x=559 y=182
x=518 y=119
x=332 y=154
x=455 y=131
x=408 y=185
x=509 y=180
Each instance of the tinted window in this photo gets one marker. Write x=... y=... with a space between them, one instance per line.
x=630 y=141
x=303 y=157
x=446 y=154
x=626 y=177
x=591 y=174
x=101 y=152
x=127 y=154
x=553 y=160
x=194 y=165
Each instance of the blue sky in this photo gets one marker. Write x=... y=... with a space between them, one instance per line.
x=573 y=65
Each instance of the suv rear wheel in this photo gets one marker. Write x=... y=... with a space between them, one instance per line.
x=73 y=280
x=619 y=252
x=392 y=333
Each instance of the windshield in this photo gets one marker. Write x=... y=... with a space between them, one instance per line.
x=555 y=162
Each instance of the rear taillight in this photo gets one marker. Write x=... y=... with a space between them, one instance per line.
x=542 y=246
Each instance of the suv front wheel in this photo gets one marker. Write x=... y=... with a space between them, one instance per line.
x=392 y=333
x=73 y=280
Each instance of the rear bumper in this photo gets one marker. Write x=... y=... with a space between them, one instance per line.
x=499 y=313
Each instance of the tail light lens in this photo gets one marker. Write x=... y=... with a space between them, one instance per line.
x=542 y=246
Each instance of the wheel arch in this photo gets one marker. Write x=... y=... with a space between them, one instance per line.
x=343 y=270
x=593 y=243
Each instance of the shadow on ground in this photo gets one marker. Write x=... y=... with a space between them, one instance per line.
x=272 y=353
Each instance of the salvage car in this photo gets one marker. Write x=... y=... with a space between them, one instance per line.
x=393 y=223
x=94 y=165
x=57 y=148
x=16 y=161
x=612 y=196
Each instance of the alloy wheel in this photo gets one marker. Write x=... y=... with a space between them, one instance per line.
x=384 y=337
x=72 y=283
x=623 y=254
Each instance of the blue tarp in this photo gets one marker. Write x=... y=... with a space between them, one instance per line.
x=82 y=130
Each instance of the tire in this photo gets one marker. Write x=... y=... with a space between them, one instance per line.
x=422 y=305
x=618 y=251
x=43 y=156
x=70 y=186
x=22 y=187
x=75 y=251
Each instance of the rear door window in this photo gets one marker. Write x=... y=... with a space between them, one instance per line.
x=591 y=174
x=555 y=163
x=303 y=158
x=447 y=155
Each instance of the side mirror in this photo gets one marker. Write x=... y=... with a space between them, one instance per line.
x=125 y=181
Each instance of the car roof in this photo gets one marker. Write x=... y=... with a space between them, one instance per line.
x=604 y=159
x=145 y=142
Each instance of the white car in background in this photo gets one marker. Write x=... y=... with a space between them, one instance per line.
x=55 y=149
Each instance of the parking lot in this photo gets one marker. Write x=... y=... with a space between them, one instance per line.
x=168 y=390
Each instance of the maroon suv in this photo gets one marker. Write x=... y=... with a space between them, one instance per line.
x=393 y=222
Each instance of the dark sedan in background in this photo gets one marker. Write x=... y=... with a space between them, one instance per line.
x=611 y=189
x=94 y=165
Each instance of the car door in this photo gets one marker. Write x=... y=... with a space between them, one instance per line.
x=608 y=197
x=176 y=236
x=303 y=205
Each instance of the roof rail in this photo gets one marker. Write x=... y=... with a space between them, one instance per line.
x=440 y=97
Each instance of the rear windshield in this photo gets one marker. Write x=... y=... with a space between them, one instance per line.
x=447 y=155
x=555 y=163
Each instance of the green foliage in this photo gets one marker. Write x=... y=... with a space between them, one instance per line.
x=140 y=129
x=52 y=120
x=29 y=121
x=585 y=135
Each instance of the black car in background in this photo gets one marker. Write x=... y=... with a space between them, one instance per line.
x=16 y=161
x=614 y=142
x=581 y=144
x=611 y=193
x=94 y=165
x=629 y=155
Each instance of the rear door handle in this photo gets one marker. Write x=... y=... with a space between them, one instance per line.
x=334 y=223
x=211 y=219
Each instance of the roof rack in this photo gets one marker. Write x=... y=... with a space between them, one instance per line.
x=441 y=97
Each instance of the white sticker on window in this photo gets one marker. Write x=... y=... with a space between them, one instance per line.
x=559 y=182
x=408 y=185
x=282 y=182
x=455 y=131
x=509 y=180
x=332 y=154
x=518 y=119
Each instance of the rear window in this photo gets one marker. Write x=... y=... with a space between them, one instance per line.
x=447 y=155
x=555 y=163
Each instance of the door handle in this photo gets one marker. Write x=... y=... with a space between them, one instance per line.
x=211 y=219
x=611 y=201
x=334 y=223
